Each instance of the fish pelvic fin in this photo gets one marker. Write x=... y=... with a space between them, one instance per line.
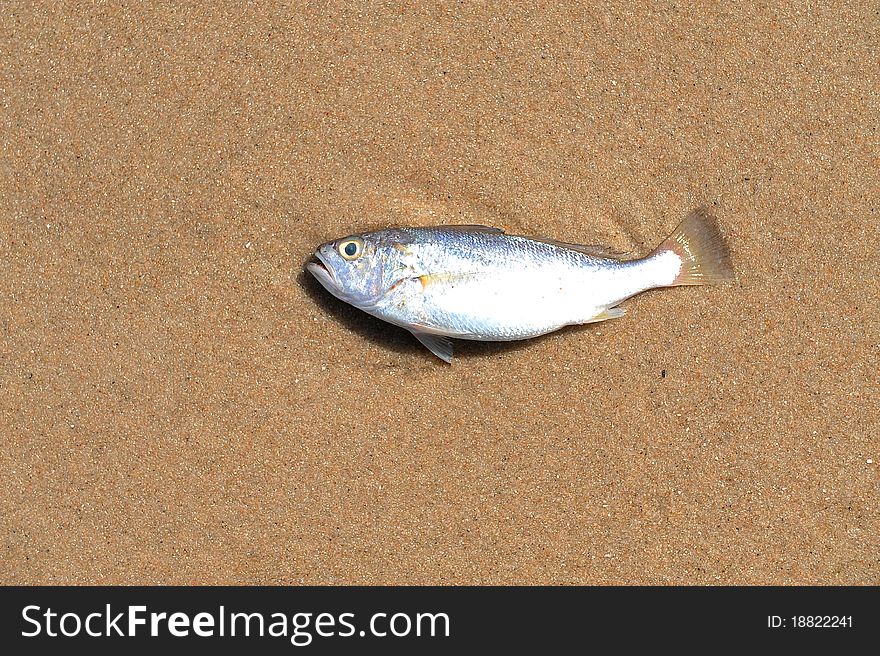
x=439 y=345
x=697 y=241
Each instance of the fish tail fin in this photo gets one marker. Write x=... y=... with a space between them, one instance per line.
x=697 y=241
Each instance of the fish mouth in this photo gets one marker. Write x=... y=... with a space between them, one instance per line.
x=318 y=267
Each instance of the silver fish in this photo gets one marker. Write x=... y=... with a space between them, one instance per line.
x=476 y=282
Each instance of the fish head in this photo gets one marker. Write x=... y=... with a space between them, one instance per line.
x=357 y=268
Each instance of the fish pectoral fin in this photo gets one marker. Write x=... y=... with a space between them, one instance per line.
x=607 y=313
x=437 y=344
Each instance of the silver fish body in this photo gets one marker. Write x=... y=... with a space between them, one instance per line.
x=475 y=282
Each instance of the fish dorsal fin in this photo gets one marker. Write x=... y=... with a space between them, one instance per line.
x=592 y=250
x=437 y=344
x=471 y=228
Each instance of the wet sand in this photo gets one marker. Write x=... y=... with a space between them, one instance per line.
x=180 y=403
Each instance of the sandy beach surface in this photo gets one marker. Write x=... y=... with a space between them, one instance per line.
x=181 y=403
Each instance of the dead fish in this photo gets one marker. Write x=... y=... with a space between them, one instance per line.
x=476 y=282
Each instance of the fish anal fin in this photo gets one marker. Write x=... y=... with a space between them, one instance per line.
x=607 y=313
x=437 y=344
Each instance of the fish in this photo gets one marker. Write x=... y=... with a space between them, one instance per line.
x=477 y=282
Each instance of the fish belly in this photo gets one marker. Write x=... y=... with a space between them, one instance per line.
x=515 y=305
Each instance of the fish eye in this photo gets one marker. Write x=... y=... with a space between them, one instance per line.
x=351 y=248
